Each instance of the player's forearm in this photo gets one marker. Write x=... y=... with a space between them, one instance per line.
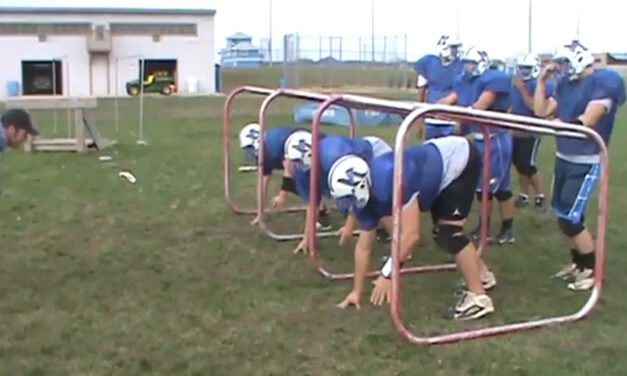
x=362 y=263
x=450 y=99
x=527 y=99
x=408 y=241
x=540 y=104
x=350 y=223
x=422 y=94
x=266 y=185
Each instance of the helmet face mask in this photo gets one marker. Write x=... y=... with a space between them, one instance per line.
x=297 y=150
x=350 y=183
x=249 y=142
x=528 y=66
x=572 y=60
x=476 y=62
x=448 y=48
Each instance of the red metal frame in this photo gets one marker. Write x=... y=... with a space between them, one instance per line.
x=356 y=101
x=513 y=122
x=227 y=128
x=295 y=94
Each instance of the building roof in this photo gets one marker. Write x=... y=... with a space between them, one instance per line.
x=239 y=35
x=244 y=46
x=103 y=10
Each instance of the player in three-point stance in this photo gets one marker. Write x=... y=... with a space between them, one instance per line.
x=590 y=97
x=487 y=89
x=331 y=149
x=436 y=178
x=281 y=143
x=436 y=76
x=526 y=145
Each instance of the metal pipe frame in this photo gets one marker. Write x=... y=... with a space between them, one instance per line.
x=227 y=126
x=295 y=94
x=361 y=102
x=513 y=122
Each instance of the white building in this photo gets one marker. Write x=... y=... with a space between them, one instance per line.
x=96 y=51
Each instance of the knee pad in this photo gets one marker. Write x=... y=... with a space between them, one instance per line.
x=503 y=196
x=451 y=238
x=480 y=195
x=569 y=228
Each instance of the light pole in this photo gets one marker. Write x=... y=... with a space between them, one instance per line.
x=372 y=27
x=530 y=27
x=141 y=140
x=270 y=34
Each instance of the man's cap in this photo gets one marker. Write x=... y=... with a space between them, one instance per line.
x=20 y=119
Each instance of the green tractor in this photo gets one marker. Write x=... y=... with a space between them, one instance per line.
x=157 y=82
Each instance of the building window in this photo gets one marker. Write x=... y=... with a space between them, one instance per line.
x=151 y=29
x=21 y=28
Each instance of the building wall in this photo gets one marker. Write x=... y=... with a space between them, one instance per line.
x=104 y=74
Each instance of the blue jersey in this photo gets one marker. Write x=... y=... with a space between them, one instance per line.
x=469 y=89
x=422 y=176
x=440 y=77
x=332 y=148
x=518 y=103
x=4 y=142
x=572 y=99
x=275 y=139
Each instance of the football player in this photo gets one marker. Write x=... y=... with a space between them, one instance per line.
x=436 y=177
x=590 y=97
x=486 y=89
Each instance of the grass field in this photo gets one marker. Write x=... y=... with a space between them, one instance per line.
x=101 y=277
x=321 y=76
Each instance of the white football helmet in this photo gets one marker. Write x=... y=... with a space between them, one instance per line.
x=476 y=62
x=528 y=66
x=448 y=48
x=349 y=182
x=297 y=148
x=249 y=141
x=572 y=60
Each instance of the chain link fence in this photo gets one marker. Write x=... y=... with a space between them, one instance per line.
x=332 y=62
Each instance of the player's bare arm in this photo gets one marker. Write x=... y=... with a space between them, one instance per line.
x=363 y=251
x=450 y=99
x=542 y=106
x=410 y=236
x=595 y=111
x=526 y=95
x=485 y=100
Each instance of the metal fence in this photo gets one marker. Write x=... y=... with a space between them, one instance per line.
x=330 y=61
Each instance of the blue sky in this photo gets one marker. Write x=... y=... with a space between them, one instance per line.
x=499 y=26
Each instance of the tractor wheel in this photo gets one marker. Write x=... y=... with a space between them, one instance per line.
x=133 y=91
x=166 y=90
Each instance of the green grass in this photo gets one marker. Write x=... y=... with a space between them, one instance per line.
x=320 y=76
x=101 y=277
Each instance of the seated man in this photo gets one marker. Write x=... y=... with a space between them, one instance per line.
x=15 y=127
x=331 y=149
x=439 y=176
x=276 y=150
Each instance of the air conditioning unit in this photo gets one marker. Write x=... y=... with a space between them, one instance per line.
x=99 y=40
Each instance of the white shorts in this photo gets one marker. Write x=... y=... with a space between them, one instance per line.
x=378 y=146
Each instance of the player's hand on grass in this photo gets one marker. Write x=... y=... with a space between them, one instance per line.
x=302 y=247
x=352 y=299
x=382 y=292
x=345 y=234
